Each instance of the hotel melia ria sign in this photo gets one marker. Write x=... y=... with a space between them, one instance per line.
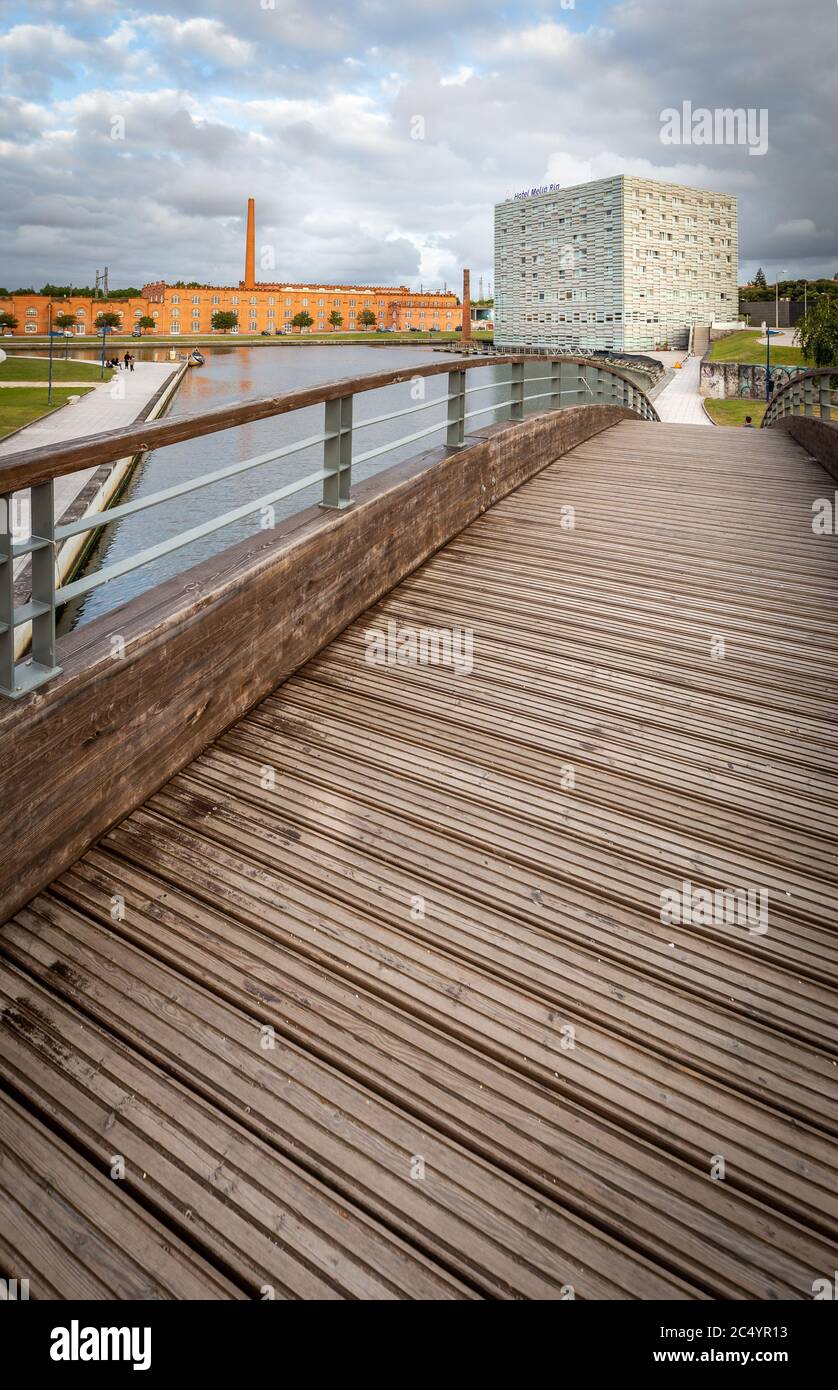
x=534 y=192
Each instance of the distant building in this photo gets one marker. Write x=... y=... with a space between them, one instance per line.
x=621 y=263
x=261 y=307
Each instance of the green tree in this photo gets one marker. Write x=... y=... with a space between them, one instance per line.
x=368 y=318
x=760 y=281
x=303 y=319
x=225 y=319
x=64 y=321
x=145 y=321
x=8 y=321
x=335 y=318
x=817 y=333
x=107 y=320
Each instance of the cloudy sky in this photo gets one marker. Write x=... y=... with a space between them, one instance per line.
x=376 y=136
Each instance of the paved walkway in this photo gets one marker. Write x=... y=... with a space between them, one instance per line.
x=679 y=403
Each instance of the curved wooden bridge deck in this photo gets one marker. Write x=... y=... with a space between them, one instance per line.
x=493 y=1070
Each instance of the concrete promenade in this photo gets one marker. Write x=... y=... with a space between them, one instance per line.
x=679 y=403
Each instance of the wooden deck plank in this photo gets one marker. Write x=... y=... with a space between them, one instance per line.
x=567 y=1066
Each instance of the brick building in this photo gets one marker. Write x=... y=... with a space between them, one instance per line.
x=261 y=307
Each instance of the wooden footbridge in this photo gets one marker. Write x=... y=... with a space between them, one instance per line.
x=326 y=975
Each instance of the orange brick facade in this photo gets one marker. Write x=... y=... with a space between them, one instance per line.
x=263 y=307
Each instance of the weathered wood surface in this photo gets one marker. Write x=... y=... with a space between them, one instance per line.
x=197 y=652
x=387 y=868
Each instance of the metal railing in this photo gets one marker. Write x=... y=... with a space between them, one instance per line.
x=568 y=381
x=808 y=393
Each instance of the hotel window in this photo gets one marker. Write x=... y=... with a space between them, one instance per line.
x=304 y=303
x=175 y=313
x=32 y=311
x=216 y=299
x=175 y=326
x=235 y=299
x=175 y=298
x=253 y=299
x=196 y=299
x=288 y=303
x=321 y=302
x=80 y=313
x=271 y=300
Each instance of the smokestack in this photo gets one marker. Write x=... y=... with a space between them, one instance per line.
x=465 y=336
x=250 y=246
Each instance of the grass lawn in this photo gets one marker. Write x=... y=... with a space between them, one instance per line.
x=19 y=406
x=37 y=369
x=746 y=347
x=733 y=412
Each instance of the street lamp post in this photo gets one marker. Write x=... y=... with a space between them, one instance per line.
x=49 y=330
x=104 y=334
x=767 y=331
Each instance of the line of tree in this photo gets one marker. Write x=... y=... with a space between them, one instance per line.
x=789 y=289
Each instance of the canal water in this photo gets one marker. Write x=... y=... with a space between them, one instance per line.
x=238 y=374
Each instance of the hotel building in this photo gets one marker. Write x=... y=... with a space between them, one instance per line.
x=261 y=307
x=621 y=263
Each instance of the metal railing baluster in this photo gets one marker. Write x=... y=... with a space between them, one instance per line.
x=337 y=454
x=555 y=386
x=455 y=431
x=7 y=599
x=516 y=381
x=43 y=578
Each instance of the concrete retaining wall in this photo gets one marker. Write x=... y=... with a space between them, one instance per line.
x=728 y=380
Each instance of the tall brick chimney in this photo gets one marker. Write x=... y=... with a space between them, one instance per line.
x=465 y=336
x=250 y=246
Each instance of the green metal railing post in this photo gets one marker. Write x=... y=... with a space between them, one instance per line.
x=455 y=432
x=19 y=677
x=516 y=381
x=555 y=386
x=7 y=599
x=337 y=454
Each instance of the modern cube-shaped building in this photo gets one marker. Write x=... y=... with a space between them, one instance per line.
x=623 y=263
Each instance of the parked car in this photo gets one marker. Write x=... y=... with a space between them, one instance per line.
x=266 y=333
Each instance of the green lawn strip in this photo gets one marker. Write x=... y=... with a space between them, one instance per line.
x=37 y=369
x=746 y=347
x=20 y=405
x=733 y=412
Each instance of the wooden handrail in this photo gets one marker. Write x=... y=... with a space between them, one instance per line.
x=31 y=467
